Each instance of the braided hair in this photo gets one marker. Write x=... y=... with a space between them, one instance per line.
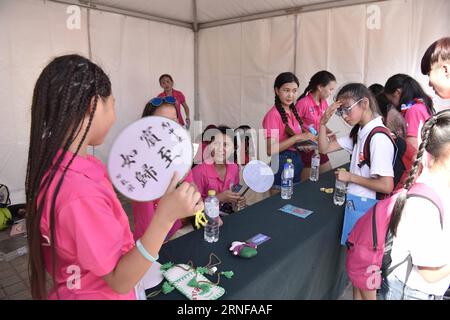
x=435 y=140
x=281 y=79
x=61 y=99
x=321 y=78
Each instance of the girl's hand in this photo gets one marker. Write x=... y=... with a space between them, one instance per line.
x=332 y=136
x=329 y=112
x=228 y=196
x=242 y=202
x=343 y=176
x=305 y=136
x=181 y=202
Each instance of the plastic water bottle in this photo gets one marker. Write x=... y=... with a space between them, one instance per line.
x=287 y=180
x=212 y=214
x=340 y=190
x=315 y=166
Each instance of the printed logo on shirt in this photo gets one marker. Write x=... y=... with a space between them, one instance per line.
x=74 y=280
x=361 y=157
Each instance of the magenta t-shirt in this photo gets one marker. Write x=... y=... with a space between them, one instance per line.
x=310 y=112
x=206 y=178
x=416 y=114
x=143 y=213
x=275 y=127
x=92 y=231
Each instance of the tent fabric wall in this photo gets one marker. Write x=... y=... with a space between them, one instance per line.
x=237 y=65
x=134 y=52
x=337 y=40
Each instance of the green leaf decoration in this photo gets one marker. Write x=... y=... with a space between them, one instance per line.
x=167 y=288
x=228 y=274
x=205 y=287
x=166 y=266
x=193 y=283
x=202 y=270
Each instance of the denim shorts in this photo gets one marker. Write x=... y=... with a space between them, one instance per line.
x=296 y=161
x=392 y=289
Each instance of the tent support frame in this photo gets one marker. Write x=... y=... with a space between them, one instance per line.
x=194 y=25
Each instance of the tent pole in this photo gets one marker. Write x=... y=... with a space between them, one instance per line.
x=295 y=42
x=126 y=12
x=288 y=11
x=196 y=63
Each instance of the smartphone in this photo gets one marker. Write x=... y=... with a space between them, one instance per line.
x=236 y=188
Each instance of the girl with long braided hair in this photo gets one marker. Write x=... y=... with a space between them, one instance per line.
x=77 y=230
x=284 y=127
x=311 y=105
x=416 y=224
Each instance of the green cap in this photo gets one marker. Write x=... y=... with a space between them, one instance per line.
x=289 y=160
x=211 y=193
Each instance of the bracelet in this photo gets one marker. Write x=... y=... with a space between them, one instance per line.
x=145 y=253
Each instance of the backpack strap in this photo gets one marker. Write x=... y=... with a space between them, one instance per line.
x=366 y=151
x=366 y=148
x=421 y=190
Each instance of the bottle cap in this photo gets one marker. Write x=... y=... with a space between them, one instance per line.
x=289 y=160
x=211 y=193
x=312 y=130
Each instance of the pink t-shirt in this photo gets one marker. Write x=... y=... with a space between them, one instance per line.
x=206 y=178
x=92 y=231
x=143 y=214
x=310 y=112
x=180 y=99
x=275 y=126
x=413 y=116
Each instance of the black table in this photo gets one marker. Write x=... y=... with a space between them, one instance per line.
x=303 y=260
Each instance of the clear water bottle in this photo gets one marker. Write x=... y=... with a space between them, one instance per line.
x=339 y=191
x=287 y=180
x=315 y=166
x=212 y=214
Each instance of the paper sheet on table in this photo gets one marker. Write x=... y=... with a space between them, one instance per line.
x=153 y=276
x=258 y=176
x=296 y=211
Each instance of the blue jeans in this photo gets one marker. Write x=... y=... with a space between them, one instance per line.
x=296 y=161
x=392 y=289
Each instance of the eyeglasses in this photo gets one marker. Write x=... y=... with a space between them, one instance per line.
x=346 y=111
x=156 y=102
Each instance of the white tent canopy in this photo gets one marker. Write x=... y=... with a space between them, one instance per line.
x=223 y=54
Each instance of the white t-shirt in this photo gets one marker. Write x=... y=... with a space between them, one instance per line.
x=419 y=233
x=381 y=157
